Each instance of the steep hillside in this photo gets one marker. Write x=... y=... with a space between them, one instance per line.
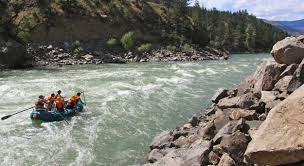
x=158 y=22
x=292 y=27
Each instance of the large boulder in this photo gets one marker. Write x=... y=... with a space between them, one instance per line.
x=195 y=156
x=162 y=140
x=269 y=75
x=280 y=139
x=289 y=70
x=219 y=94
x=235 y=145
x=297 y=78
x=14 y=55
x=265 y=77
x=288 y=51
x=283 y=84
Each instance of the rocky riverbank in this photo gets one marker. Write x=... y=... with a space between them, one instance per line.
x=14 y=55
x=49 y=55
x=260 y=122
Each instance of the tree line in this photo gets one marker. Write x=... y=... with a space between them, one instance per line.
x=233 y=31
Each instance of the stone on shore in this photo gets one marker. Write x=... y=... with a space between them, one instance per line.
x=194 y=156
x=219 y=94
x=280 y=139
x=282 y=84
x=235 y=145
x=288 y=51
x=14 y=55
x=265 y=77
x=289 y=70
x=297 y=79
x=268 y=76
x=226 y=160
x=161 y=140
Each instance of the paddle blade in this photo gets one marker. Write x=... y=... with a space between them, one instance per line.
x=6 y=117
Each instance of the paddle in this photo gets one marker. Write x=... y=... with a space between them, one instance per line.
x=8 y=116
x=85 y=103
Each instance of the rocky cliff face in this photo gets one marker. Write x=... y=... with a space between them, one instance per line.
x=13 y=55
x=264 y=111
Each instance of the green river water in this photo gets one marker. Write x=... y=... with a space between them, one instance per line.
x=127 y=105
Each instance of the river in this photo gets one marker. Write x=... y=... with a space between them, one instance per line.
x=127 y=105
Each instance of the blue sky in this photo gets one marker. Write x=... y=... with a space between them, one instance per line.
x=283 y=10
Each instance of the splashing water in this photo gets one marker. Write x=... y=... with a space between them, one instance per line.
x=127 y=106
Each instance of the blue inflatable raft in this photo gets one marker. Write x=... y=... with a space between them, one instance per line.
x=42 y=116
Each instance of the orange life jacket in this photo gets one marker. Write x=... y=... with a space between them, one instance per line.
x=76 y=99
x=59 y=104
x=71 y=101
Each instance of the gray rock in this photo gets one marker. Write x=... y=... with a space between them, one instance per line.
x=242 y=113
x=240 y=126
x=207 y=131
x=289 y=70
x=247 y=100
x=213 y=158
x=14 y=55
x=288 y=51
x=235 y=144
x=280 y=139
x=220 y=119
x=270 y=76
x=228 y=103
x=283 y=84
x=88 y=57
x=154 y=155
x=219 y=94
x=161 y=140
x=253 y=127
x=297 y=79
x=226 y=160
x=194 y=156
x=226 y=130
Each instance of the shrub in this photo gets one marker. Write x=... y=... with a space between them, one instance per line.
x=144 y=47
x=112 y=42
x=24 y=35
x=127 y=40
x=187 y=48
x=76 y=44
x=171 y=48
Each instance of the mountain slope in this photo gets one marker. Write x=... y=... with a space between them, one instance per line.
x=292 y=27
x=167 y=23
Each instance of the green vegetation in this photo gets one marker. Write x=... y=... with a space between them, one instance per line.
x=220 y=29
x=127 y=40
x=169 y=22
x=112 y=42
x=144 y=47
x=187 y=48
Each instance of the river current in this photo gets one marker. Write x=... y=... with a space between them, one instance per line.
x=127 y=105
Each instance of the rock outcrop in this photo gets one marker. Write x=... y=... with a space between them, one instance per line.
x=13 y=55
x=289 y=51
x=280 y=139
x=260 y=111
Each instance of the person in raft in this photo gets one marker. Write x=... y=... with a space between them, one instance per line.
x=50 y=101
x=73 y=101
x=58 y=94
x=39 y=103
x=59 y=104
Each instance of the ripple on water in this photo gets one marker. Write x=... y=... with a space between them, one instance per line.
x=128 y=105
